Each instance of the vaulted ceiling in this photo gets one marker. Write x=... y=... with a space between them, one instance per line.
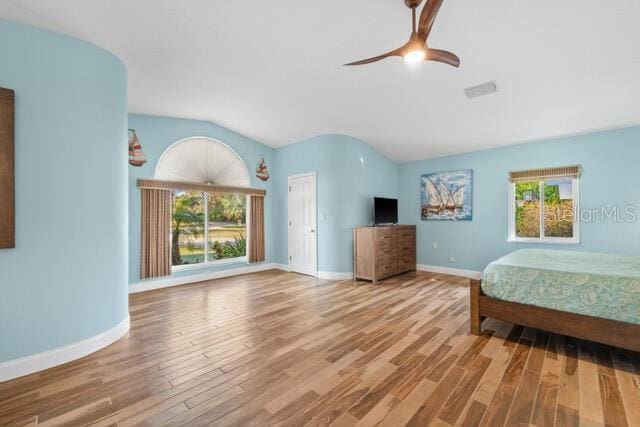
x=272 y=69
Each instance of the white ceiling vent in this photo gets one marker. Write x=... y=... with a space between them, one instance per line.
x=481 y=90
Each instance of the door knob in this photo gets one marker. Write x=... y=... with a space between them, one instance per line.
x=313 y=231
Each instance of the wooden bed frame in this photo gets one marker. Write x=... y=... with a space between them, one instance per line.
x=612 y=332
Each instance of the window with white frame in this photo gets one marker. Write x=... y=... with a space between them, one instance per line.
x=207 y=227
x=544 y=205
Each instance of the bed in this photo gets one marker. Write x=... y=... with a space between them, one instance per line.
x=585 y=295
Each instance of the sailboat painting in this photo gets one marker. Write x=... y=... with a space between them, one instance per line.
x=447 y=196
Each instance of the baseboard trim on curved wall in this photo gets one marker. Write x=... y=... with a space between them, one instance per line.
x=332 y=275
x=170 y=281
x=447 y=270
x=16 y=368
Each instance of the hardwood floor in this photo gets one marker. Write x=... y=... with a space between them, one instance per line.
x=279 y=348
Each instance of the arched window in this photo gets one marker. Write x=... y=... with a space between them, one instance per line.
x=204 y=161
x=206 y=227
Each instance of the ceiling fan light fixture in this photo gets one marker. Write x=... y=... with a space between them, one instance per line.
x=415 y=56
x=417 y=49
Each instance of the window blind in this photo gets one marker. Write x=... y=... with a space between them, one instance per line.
x=545 y=173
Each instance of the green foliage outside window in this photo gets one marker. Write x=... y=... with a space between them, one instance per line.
x=231 y=249
x=228 y=208
x=187 y=221
x=227 y=227
x=558 y=213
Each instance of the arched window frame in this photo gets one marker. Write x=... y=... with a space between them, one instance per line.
x=207 y=253
x=213 y=140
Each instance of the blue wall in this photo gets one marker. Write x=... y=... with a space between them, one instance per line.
x=156 y=134
x=349 y=174
x=610 y=178
x=67 y=278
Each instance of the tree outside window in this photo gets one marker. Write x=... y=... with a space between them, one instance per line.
x=207 y=227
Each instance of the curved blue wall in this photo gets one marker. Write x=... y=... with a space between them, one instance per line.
x=67 y=278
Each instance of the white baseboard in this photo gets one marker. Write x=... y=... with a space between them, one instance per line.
x=48 y=359
x=332 y=275
x=447 y=270
x=283 y=267
x=167 y=282
x=326 y=275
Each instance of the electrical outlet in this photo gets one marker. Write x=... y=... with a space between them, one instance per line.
x=435 y=245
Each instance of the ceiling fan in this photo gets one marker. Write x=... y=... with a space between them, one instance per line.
x=416 y=49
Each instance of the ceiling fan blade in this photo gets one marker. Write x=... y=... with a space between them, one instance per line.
x=442 y=56
x=428 y=17
x=396 y=52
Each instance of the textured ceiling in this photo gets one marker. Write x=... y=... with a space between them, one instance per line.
x=272 y=69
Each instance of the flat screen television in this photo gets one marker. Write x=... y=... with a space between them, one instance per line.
x=385 y=211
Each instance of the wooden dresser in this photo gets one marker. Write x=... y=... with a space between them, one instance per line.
x=381 y=252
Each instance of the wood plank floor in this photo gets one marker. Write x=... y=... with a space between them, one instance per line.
x=277 y=348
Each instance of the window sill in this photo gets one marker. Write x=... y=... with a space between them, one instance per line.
x=203 y=265
x=545 y=241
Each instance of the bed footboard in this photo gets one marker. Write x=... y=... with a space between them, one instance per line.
x=605 y=331
x=475 y=324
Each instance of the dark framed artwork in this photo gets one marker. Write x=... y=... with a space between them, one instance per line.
x=7 y=170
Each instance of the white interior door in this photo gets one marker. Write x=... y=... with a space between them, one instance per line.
x=303 y=256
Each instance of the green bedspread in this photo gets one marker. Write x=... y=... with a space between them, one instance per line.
x=600 y=285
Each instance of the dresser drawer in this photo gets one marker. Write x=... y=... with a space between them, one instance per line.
x=385 y=236
x=387 y=252
x=408 y=233
x=406 y=237
x=406 y=243
x=387 y=268
x=406 y=263
x=407 y=250
x=387 y=246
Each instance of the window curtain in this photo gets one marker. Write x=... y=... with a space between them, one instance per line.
x=256 y=251
x=156 y=233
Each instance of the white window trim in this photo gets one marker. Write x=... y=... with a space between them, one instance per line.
x=575 y=240
x=217 y=262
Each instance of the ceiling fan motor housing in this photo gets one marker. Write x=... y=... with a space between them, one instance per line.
x=412 y=3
